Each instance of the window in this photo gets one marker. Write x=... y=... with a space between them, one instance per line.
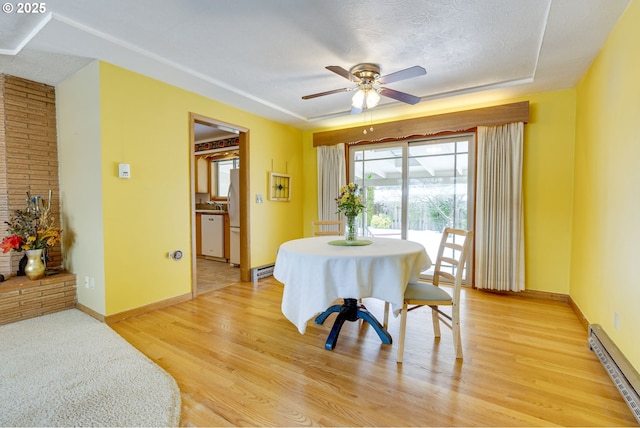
x=223 y=179
x=413 y=190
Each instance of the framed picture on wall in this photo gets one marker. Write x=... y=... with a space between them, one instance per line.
x=279 y=187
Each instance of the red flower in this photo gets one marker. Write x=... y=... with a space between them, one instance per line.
x=9 y=243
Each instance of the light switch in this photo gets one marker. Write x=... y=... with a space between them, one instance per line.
x=259 y=199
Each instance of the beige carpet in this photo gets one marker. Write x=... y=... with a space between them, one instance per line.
x=68 y=369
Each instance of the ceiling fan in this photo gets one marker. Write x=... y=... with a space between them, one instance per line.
x=368 y=85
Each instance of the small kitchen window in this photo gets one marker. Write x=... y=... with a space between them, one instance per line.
x=223 y=175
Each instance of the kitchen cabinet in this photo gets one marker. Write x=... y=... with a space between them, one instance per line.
x=203 y=175
x=212 y=235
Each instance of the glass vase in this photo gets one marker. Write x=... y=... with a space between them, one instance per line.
x=350 y=231
x=22 y=265
x=35 y=267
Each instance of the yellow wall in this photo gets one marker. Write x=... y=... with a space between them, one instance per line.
x=605 y=267
x=273 y=222
x=548 y=190
x=145 y=123
x=548 y=185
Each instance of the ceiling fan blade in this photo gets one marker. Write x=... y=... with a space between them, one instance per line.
x=407 y=73
x=321 y=94
x=400 y=96
x=342 y=72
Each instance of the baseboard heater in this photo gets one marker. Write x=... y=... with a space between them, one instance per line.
x=622 y=373
x=261 y=272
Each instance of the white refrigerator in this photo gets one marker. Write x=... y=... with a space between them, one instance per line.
x=233 y=207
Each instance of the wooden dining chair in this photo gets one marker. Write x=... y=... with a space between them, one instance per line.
x=327 y=227
x=452 y=256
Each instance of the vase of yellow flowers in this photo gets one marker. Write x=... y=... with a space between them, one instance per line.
x=32 y=230
x=350 y=205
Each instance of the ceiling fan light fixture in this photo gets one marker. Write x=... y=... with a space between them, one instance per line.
x=368 y=97
x=368 y=89
x=357 y=101
x=373 y=98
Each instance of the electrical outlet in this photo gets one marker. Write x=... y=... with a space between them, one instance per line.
x=616 y=320
x=175 y=255
x=92 y=283
x=86 y=282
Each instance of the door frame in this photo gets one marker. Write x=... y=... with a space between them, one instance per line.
x=243 y=136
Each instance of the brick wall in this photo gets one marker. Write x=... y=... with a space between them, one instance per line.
x=5 y=262
x=21 y=298
x=28 y=155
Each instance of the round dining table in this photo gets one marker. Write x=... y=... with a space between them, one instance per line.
x=320 y=270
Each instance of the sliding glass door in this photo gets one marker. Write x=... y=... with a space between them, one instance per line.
x=379 y=171
x=415 y=189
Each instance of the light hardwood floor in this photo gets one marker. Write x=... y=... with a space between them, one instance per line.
x=213 y=274
x=238 y=361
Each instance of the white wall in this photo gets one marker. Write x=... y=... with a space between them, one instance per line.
x=79 y=156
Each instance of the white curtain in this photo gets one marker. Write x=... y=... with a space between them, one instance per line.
x=499 y=217
x=331 y=175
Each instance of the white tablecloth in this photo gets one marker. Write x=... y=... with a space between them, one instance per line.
x=315 y=274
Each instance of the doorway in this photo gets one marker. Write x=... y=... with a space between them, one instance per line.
x=217 y=151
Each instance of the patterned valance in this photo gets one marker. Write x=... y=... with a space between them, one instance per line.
x=219 y=144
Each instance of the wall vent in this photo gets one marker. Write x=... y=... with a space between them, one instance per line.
x=261 y=272
x=622 y=373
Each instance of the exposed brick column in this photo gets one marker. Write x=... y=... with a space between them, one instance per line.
x=28 y=154
x=5 y=261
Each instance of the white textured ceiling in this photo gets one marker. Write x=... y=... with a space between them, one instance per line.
x=264 y=55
